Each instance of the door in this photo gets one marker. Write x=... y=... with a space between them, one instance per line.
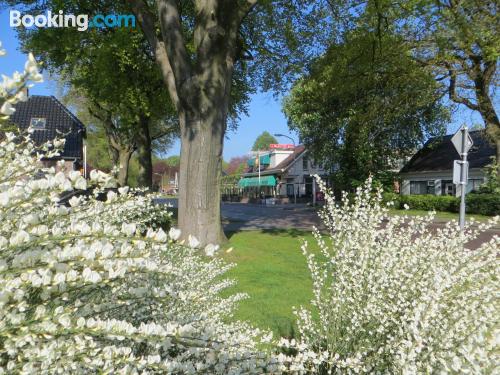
x=449 y=188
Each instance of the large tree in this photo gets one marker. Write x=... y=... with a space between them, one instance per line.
x=364 y=106
x=459 y=40
x=205 y=50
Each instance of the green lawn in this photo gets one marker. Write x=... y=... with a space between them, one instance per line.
x=272 y=270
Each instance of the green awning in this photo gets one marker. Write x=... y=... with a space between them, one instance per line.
x=254 y=181
x=264 y=160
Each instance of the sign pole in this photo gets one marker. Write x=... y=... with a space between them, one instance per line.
x=463 y=177
x=463 y=143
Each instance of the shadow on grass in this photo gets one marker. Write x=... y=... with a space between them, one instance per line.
x=289 y=232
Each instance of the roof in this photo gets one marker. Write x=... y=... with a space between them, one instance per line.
x=60 y=122
x=285 y=164
x=438 y=154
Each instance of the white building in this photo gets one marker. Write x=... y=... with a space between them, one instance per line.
x=282 y=172
x=430 y=170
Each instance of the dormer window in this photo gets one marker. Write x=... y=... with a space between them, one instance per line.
x=38 y=123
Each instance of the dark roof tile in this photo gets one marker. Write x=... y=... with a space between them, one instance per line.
x=60 y=121
x=439 y=153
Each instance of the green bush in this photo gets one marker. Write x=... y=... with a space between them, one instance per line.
x=391 y=197
x=430 y=202
x=484 y=204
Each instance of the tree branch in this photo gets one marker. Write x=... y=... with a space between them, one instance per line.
x=453 y=93
x=147 y=23
x=245 y=9
x=171 y=29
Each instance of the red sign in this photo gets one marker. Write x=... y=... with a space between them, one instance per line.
x=281 y=146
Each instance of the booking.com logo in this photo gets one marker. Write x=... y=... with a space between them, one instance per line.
x=80 y=21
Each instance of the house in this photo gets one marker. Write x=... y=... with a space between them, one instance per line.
x=283 y=171
x=49 y=119
x=166 y=178
x=430 y=170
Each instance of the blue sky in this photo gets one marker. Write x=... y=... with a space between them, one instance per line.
x=264 y=110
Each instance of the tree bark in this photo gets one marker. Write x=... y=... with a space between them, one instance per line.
x=487 y=111
x=199 y=87
x=144 y=154
x=124 y=160
x=200 y=174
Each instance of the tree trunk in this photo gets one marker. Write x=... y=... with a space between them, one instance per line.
x=143 y=141
x=199 y=87
x=124 y=159
x=489 y=115
x=200 y=173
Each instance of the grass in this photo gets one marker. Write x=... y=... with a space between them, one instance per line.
x=272 y=270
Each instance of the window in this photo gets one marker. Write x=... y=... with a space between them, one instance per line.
x=38 y=122
x=305 y=163
x=418 y=187
x=474 y=184
x=431 y=187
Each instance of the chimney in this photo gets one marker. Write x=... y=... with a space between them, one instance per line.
x=25 y=93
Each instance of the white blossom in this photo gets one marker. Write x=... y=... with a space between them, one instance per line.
x=7 y=109
x=75 y=201
x=173 y=233
x=211 y=249
x=193 y=242
x=393 y=295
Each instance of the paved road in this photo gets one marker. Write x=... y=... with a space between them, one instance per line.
x=240 y=216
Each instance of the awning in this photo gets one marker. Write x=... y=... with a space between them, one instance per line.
x=254 y=181
x=264 y=160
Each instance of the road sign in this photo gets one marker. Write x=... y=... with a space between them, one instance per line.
x=462 y=140
x=457 y=167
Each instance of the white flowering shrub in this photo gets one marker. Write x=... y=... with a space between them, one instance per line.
x=12 y=88
x=84 y=291
x=142 y=210
x=394 y=295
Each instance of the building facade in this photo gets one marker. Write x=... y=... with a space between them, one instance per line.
x=430 y=170
x=50 y=119
x=282 y=172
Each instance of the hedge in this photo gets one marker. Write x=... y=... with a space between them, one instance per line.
x=484 y=204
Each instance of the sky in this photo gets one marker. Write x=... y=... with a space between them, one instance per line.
x=264 y=110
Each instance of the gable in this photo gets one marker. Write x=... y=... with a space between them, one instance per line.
x=439 y=153
x=50 y=119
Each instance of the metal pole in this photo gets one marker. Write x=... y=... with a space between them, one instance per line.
x=258 y=160
x=85 y=161
x=463 y=181
x=314 y=191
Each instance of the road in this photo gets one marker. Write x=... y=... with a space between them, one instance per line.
x=240 y=216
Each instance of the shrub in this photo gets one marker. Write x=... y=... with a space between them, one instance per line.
x=484 y=204
x=83 y=291
x=430 y=202
x=392 y=197
x=392 y=295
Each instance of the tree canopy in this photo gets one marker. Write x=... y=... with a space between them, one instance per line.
x=263 y=141
x=458 y=41
x=364 y=105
